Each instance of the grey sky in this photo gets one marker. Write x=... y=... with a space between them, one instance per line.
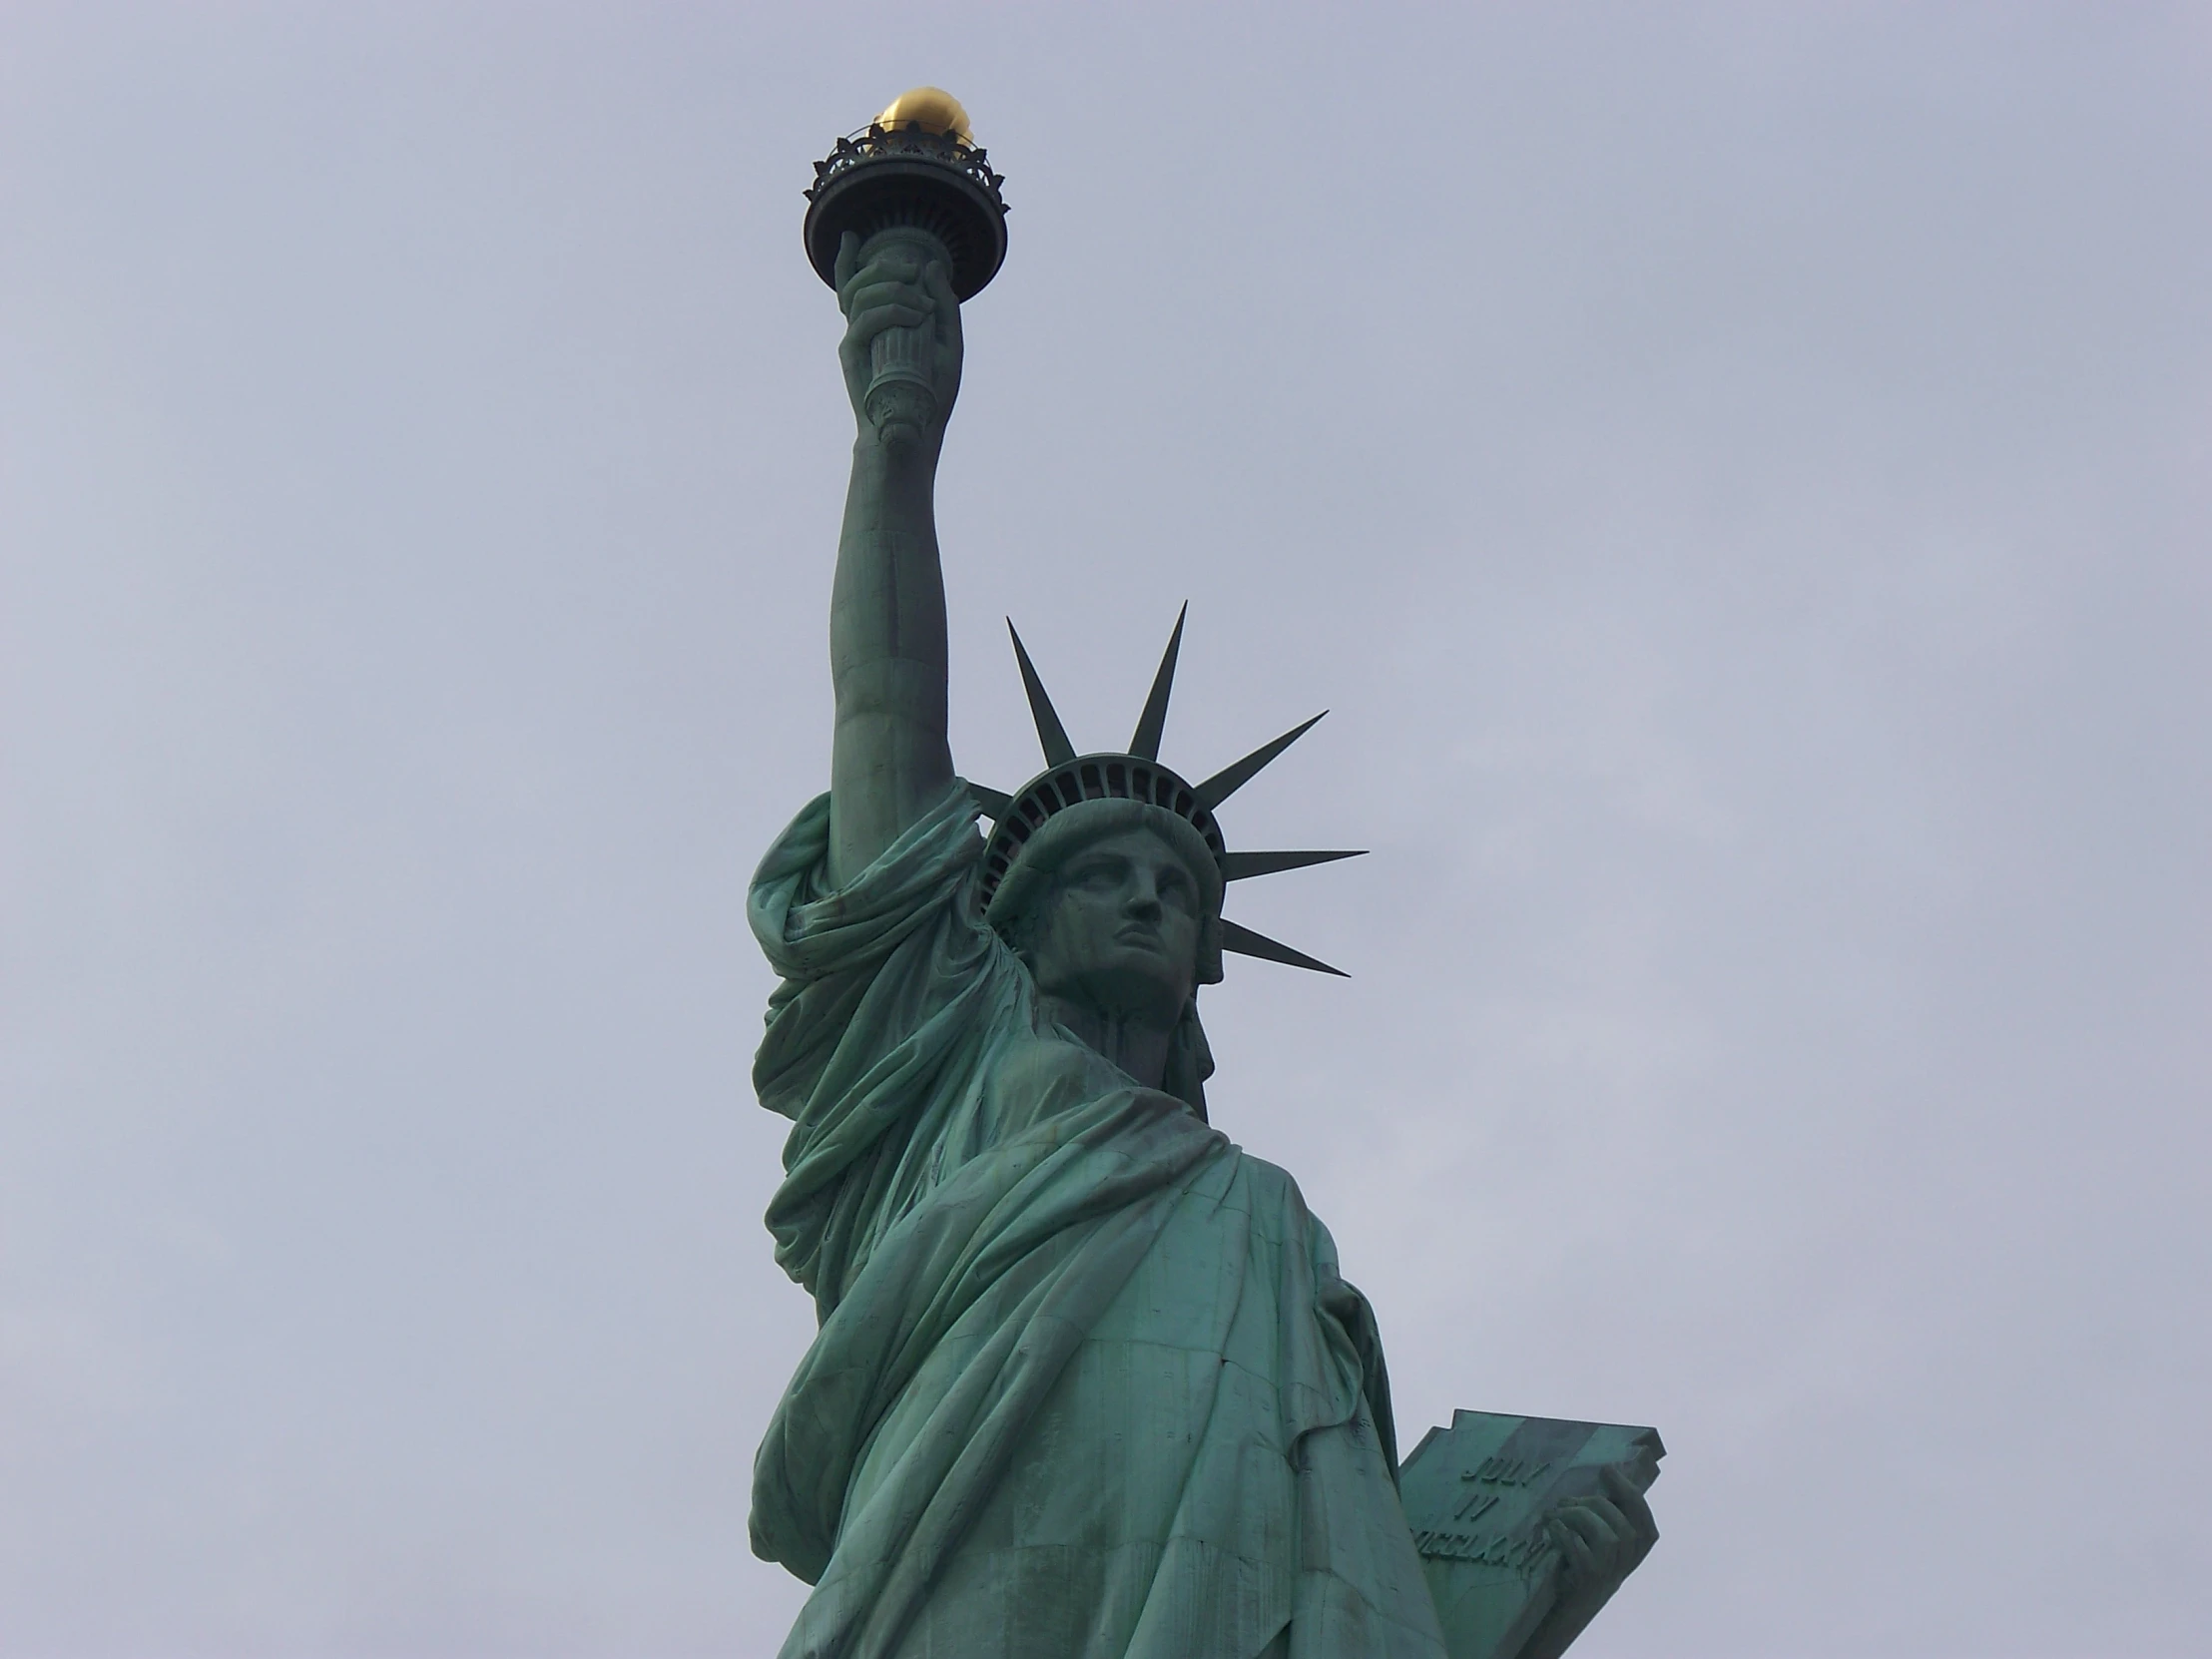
x=1741 y=478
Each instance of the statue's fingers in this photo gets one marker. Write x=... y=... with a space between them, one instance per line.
x=1587 y=1529
x=848 y=259
x=1609 y=1513
x=853 y=272
x=865 y=325
x=892 y=265
x=1580 y=1559
x=1632 y=1503
x=869 y=295
x=1574 y=1515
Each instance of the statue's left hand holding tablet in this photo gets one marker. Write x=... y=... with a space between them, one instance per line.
x=1601 y=1539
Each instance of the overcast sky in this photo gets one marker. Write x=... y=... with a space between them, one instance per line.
x=1741 y=478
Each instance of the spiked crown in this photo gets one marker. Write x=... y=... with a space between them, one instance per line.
x=1138 y=774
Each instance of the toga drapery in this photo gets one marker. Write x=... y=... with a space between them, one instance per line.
x=1087 y=1384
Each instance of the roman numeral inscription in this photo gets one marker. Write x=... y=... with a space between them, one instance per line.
x=1509 y=1471
x=1488 y=1549
x=1476 y=1506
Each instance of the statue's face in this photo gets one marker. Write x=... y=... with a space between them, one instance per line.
x=1120 y=930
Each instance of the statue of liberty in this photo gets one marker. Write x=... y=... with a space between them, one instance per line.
x=1087 y=1382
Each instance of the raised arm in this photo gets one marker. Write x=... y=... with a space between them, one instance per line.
x=890 y=758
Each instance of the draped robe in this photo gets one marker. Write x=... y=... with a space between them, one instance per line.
x=1087 y=1384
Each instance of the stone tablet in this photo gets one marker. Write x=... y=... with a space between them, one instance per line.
x=1474 y=1495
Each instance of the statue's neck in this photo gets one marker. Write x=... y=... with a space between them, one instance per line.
x=1138 y=1046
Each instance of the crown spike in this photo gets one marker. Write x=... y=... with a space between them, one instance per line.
x=1245 y=942
x=1231 y=779
x=1154 y=719
x=1050 y=733
x=1236 y=866
x=993 y=804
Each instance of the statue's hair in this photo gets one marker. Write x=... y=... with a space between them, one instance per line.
x=1019 y=902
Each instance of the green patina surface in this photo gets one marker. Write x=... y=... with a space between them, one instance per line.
x=1087 y=1380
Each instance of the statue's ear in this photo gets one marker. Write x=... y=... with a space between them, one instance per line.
x=1209 y=952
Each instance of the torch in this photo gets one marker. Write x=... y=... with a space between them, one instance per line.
x=914 y=178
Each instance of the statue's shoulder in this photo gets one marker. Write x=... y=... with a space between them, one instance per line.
x=1272 y=1196
x=1273 y=1183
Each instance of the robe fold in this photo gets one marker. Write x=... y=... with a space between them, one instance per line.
x=1087 y=1382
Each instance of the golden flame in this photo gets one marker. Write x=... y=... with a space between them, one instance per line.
x=932 y=109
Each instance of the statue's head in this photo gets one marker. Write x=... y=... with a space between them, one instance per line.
x=1116 y=905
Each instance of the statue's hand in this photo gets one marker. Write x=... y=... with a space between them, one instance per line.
x=1601 y=1540
x=897 y=290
